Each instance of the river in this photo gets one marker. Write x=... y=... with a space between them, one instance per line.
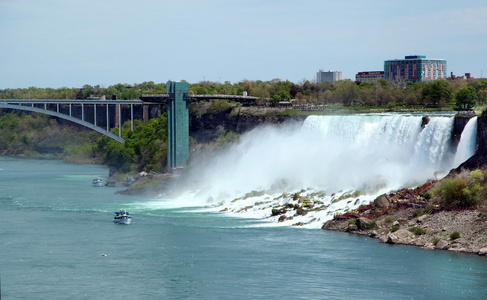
x=55 y=226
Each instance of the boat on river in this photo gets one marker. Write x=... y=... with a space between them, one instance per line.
x=97 y=182
x=122 y=217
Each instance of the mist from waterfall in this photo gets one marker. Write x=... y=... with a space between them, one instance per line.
x=336 y=152
x=326 y=155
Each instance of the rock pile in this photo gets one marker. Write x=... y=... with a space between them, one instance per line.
x=460 y=231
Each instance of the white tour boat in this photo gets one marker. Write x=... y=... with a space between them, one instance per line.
x=122 y=217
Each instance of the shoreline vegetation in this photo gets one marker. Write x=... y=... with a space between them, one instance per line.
x=450 y=214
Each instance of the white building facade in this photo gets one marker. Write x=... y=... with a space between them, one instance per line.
x=330 y=76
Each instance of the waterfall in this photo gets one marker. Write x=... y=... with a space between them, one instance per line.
x=330 y=156
x=468 y=143
x=394 y=148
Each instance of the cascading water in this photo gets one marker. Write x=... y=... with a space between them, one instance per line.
x=394 y=148
x=468 y=143
x=339 y=162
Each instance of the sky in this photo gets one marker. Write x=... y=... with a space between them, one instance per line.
x=67 y=43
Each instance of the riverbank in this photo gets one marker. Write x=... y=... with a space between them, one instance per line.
x=458 y=231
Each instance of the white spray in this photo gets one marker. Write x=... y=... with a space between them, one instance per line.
x=327 y=156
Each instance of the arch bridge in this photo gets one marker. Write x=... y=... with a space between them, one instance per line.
x=88 y=112
x=83 y=112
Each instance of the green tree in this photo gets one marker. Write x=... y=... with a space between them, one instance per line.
x=437 y=93
x=466 y=97
x=119 y=156
x=280 y=91
x=347 y=92
x=145 y=148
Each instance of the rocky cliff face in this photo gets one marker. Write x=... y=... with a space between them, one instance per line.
x=482 y=135
x=204 y=126
x=460 y=123
x=479 y=160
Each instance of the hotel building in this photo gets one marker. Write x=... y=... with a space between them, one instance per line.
x=415 y=68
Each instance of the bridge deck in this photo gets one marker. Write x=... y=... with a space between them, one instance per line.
x=61 y=101
x=192 y=97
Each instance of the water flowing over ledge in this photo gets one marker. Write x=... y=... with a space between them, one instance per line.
x=468 y=143
x=328 y=165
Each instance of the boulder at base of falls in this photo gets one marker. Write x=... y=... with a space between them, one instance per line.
x=382 y=202
x=364 y=223
x=442 y=245
x=482 y=251
x=352 y=227
x=402 y=236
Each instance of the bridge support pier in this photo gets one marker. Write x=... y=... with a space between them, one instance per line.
x=177 y=124
x=145 y=113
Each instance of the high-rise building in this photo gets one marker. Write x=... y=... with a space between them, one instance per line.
x=331 y=76
x=415 y=68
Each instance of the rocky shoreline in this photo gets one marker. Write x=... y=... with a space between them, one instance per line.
x=458 y=231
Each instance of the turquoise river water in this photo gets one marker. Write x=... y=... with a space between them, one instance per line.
x=55 y=226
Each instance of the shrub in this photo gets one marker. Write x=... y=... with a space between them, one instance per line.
x=435 y=241
x=454 y=235
x=227 y=138
x=395 y=228
x=388 y=219
x=460 y=193
x=472 y=192
x=418 y=230
x=219 y=106
x=368 y=224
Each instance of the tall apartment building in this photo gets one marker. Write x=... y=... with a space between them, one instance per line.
x=415 y=68
x=331 y=76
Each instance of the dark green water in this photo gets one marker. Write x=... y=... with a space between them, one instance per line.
x=55 y=226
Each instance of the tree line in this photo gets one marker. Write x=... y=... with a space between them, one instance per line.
x=146 y=147
x=458 y=93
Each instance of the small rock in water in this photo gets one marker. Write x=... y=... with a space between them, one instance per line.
x=483 y=251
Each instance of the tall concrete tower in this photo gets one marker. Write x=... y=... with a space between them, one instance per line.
x=177 y=124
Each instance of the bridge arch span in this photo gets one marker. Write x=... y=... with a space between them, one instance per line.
x=65 y=117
